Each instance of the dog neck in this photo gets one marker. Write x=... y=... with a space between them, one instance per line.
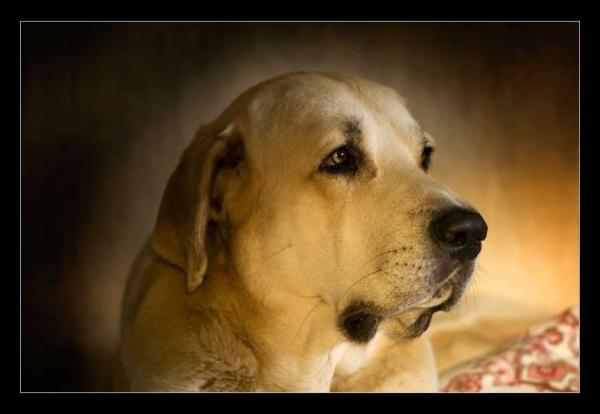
x=286 y=345
x=286 y=371
x=303 y=347
x=294 y=341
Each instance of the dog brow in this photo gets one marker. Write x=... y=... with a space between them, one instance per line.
x=426 y=140
x=352 y=127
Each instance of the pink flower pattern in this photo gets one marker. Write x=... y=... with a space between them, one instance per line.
x=544 y=359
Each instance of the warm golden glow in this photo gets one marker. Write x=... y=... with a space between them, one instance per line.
x=107 y=113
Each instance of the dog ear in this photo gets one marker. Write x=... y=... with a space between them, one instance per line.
x=180 y=231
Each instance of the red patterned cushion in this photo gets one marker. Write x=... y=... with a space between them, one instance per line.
x=544 y=359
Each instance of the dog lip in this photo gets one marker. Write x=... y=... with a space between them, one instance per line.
x=421 y=324
x=439 y=297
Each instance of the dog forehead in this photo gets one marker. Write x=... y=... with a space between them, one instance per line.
x=299 y=96
x=309 y=111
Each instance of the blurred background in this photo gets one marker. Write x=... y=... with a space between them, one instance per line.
x=107 y=109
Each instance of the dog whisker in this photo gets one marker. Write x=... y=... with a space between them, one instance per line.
x=481 y=279
x=306 y=317
x=310 y=296
x=279 y=251
x=361 y=279
x=479 y=267
x=390 y=295
x=259 y=193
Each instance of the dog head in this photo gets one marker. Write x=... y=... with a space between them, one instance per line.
x=317 y=186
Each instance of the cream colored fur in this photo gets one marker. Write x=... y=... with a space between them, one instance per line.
x=256 y=252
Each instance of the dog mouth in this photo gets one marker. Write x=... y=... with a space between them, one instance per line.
x=438 y=299
x=360 y=321
x=415 y=321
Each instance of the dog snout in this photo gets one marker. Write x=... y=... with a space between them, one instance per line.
x=460 y=232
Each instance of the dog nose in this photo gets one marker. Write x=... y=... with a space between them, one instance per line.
x=460 y=232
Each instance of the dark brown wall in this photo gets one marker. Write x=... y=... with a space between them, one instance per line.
x=108 y=108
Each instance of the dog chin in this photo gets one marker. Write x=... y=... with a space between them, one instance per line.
x=412 y=323
x=409 y=325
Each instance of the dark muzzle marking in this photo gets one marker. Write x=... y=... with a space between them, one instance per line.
x=361 y=326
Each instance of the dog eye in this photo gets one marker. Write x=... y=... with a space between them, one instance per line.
x=426 y=158
x=336 y=159
x=340 y=160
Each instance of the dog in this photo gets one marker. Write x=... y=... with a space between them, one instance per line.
x=301 y=245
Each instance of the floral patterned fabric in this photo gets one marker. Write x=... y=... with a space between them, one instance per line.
x=544 y=359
